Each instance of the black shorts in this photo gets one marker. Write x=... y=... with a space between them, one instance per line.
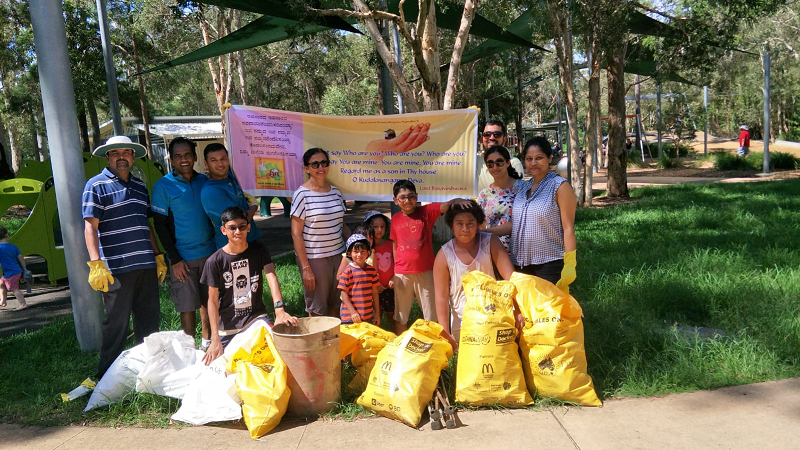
x=386 y=300
x=550 y=271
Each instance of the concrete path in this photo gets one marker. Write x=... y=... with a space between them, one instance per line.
x=763 y=415
x=45 y=304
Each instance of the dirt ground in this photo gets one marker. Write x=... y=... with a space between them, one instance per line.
x=694 y=167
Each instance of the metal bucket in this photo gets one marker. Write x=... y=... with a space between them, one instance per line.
x=311 y=353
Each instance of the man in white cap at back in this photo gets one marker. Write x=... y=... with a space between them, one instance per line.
x=744 y=140
x=125 y=261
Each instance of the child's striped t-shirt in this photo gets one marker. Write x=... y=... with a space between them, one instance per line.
x=357 y=283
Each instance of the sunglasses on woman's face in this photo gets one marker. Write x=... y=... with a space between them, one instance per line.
x=496 y=134
x=499 y=163
x=317 y=164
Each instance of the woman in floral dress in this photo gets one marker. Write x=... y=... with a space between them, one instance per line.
x=496 y=199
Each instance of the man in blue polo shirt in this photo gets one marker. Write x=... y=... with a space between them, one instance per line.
x=125 y=262
x=185 y=233
x=222 y=191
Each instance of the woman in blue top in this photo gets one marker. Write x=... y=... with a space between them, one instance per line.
x=543 y=220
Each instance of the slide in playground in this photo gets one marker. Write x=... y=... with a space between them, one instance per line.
x=41 y=233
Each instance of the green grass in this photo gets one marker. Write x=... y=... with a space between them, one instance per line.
x=720 y=256
x=666 y=162
x=12 y=225
x=724 y=256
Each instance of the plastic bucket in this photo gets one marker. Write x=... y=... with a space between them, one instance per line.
x=311 y=353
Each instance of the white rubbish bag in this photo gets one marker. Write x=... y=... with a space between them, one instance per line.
x=211 y=397
x=119 y=379
x=168 y=352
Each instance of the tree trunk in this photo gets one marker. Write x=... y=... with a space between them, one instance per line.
x=41 y=139
x=404 y=88
x=16 y=151
x=5 y=155
x=237 y=22
x=37 y=156
x=518 y=115
x=432 y=98
x=96 y=138
x=592 y=130
x=218 y=73
x=563 y=43
x=617 y=184
x=142 y=93
x=458 y=49
x=83 y=129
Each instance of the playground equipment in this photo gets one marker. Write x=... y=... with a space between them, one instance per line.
x=19 y=191
x=41 y=233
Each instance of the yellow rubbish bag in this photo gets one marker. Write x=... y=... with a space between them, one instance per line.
x=363 y=341
x=552 y=342
x=489 y=370
x=261 y=382
x=406 y=373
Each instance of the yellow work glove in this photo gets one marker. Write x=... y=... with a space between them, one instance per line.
x=161 y=268
x=568 y=274
x=99 y=276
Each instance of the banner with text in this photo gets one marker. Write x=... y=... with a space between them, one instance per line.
x=368 y=154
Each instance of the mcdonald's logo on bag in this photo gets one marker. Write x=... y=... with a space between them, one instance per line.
x=487 y=368
x=386 y=366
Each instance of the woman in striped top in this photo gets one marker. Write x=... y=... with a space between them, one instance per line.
x=543 y=220
x=318 y=232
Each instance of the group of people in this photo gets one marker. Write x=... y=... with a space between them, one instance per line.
x=205 y=226
x=520 y=225
x=515 y=225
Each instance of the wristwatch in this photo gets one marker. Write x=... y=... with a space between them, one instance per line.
x=279 y=304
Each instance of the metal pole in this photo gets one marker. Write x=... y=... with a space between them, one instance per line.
x=637 y=92
x=58 y=99
x=486 y=108
x=111 y=73
x=705 y=132
x=658 y=109
x=398 y=57
x=766 y=113
x=596 y=164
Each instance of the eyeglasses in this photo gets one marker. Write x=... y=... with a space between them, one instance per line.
x=496 y=134
x=410 y=198
x=317 y=164
x=233 y=229
x=499 y=163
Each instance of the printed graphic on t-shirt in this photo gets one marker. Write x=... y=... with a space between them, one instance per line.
x=243 y=286
x=414 y=240
x=384 y=261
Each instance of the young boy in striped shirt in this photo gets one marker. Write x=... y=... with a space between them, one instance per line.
x=359 y=284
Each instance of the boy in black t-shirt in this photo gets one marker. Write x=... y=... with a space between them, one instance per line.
x=235 y=286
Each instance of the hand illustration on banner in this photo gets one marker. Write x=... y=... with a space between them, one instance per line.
x=408 y=140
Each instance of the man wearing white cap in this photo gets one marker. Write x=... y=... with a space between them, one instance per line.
x=744 y=140
x=125 y=262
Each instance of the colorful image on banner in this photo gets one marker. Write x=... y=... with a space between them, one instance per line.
x=270 y=173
